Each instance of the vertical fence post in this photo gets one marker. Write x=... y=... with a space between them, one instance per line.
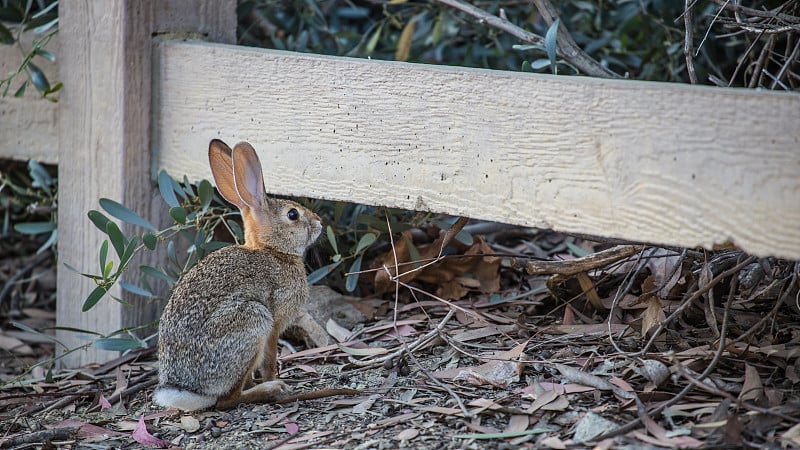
x=104 y=139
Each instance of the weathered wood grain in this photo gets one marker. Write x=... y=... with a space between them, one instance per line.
x=28 y=125
x=653 y=162
x=104 y=143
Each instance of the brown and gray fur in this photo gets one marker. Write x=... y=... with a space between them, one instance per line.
x=224 y=318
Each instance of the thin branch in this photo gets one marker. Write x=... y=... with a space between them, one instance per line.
x=688 y=40
x=566 y=47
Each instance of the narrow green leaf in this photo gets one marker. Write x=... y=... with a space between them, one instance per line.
x=45 y=54
x=35 y=227
x=130 y=250
x=116 y=237
x=172 y=255
x=577 y=251
x=465 y=237
x=44 y=28
x=107 y=269
x=93 y=298
x=155 y=273
x=54 y=89
x=117 y=344
x=413 y=253
x=124 y=214
x=21 y=91
x=150 y=241
x=41 y=178
x=178 y=214
x=133 y=289
x=206 y=192
x=322 y=272
x=352 y=278
x=550 y=44
x=332 y=239
x=45 y=10
x=369 y=351
x=51 y=241
x=165 y=187
x=38 y=78
x=103 y=254
x=373 y=40
x=365 y=241
x=98 y=219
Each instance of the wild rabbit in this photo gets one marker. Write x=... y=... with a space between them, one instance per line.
x=226 y=314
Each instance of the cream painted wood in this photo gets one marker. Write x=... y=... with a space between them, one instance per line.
x=104 y=142
x=28 y=125
x=655 y=162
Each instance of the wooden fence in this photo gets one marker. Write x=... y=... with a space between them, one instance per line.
x=655 y=162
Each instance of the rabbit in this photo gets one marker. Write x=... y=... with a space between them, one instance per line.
x=224 y=317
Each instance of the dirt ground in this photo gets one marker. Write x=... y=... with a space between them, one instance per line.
x=631 y=360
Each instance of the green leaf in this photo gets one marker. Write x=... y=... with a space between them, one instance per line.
x=44 y=28
x=116 y=237
x=41 y=178
x=150 y=241
x=413 y=253
x=577 y=251
x=322 y=272
x=133 y=289
x=124 y=214
x=45 y=54
x=107 y=269
x=130 y=249
x=550 y=44
x=98 y=219
x=155 y=273
x=21 y=91
x=373 y=40
x=38 y=78
x=526 y=66
x=206 y=193
x=103 y=254
x=369 y=351
x=45 y=10
x=55 y=88
x=93 y=298
x=117 y=344
x=178 y=214
x=332 y=239
x=165 y=187
x=35 y=227
x=365 y=241
x=352 y=279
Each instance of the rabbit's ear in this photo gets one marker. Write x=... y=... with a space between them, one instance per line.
x=221 y=160
x=247 y=175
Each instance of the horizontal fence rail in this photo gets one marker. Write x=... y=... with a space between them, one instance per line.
x=654 y=162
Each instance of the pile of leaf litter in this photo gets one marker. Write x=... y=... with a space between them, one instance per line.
x=519 y=338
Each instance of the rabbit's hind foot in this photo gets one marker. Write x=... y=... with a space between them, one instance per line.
x=265 y=392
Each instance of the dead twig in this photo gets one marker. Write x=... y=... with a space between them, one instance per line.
x=41 y=437
x=566 y=269
x=566 y=47
x=688 y=40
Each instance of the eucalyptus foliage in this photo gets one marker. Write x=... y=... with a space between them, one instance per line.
x=39 y=18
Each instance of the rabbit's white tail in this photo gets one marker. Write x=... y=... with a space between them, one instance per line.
x=172 y=397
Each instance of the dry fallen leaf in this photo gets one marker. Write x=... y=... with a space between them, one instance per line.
x=407 y=434
x=142 y=436
x=753 y=388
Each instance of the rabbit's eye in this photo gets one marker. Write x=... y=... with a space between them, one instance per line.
x=293 y=214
